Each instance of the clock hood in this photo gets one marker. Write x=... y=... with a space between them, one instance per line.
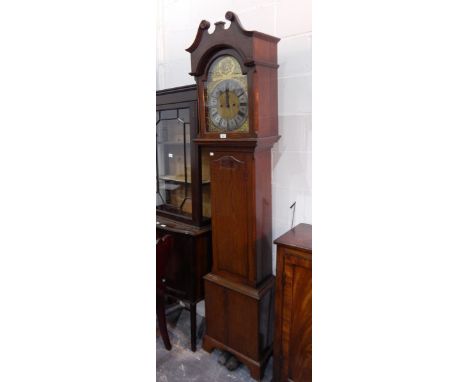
x=235 y=37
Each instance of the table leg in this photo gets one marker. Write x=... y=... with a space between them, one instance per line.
x=193 y=327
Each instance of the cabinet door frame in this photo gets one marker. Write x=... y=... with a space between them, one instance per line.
x=177 y=98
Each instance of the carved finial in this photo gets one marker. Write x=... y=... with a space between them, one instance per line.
x=204 y=24
x=232 y=17
x=219 y=25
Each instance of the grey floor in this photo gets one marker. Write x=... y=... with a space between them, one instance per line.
x=181 y=364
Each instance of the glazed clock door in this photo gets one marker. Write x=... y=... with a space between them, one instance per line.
x=231 y=204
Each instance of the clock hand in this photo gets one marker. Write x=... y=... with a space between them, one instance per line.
x=227 y=97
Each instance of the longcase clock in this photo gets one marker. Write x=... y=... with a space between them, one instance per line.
x=236 y=76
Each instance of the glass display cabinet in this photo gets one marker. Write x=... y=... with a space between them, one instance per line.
x=183 y=207
x=182 y=169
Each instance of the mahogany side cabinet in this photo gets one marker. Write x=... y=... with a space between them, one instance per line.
x=293 y=306
x=188 y=262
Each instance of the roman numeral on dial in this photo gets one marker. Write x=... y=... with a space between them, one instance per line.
x=227 y=105
x=212 y=101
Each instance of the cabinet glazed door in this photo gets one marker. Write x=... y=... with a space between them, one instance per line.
x=231 y=206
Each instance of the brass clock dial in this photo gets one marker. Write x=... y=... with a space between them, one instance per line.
x=226 y=95
x=227 y=105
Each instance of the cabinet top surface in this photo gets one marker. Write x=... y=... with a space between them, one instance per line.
x=299 y=237
x=170 y=225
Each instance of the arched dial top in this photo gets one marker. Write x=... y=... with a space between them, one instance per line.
x=226 y=96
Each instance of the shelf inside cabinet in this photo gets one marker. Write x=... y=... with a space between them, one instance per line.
x=180 y=179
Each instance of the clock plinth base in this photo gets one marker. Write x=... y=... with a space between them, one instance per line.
x=239 y=320
x=256 y=368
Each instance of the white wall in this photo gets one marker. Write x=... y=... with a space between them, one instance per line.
x=178 y=21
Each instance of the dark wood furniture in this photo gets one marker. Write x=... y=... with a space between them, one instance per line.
x=181 y=192
x=183 y=197
x=189 y=261
x=163 y=249
x=293 y=306
x=236 y=75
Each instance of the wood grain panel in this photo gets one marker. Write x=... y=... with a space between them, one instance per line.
x=243 y=333
x=293 y=306
x=215 y=307
x=263 y=226
x=239 y=319
x=300 y=362
x=230 y=195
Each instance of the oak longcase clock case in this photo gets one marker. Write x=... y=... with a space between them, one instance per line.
x=236 y=75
